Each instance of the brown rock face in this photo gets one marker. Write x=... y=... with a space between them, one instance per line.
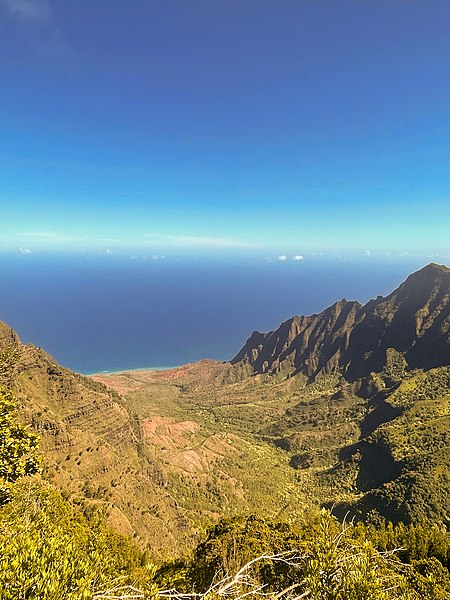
x=8 y=337
x=308 y=345
x=354 y=340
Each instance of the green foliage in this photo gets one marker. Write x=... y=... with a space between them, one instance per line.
x=18 y=446
x=336 y=567
x=233 y=542
x=49 y=550
x=417 y=542
x=323 y=560
x=57 y=553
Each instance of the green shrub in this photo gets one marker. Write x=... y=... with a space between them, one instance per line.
x=18 y=446
x=321 y=560
x=49 y=550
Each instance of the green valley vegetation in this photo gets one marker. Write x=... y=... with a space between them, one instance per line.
x=221 y=480
x=56 y=548
x=52 y=549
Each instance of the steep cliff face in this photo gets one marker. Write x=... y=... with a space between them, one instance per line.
x=93 y=445
x=355 y=340
x=309 y=345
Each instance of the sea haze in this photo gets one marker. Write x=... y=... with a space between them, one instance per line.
x=108 y=313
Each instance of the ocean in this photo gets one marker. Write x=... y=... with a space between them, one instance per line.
x=97 y=313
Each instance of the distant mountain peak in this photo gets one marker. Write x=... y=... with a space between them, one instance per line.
x=429 y=273
x=432 y=267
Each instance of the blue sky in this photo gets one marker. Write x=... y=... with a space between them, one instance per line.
x=279 y=128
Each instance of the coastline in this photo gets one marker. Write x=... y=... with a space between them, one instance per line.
x=121 y=371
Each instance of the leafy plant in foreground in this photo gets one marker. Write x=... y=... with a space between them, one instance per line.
x=18 y=446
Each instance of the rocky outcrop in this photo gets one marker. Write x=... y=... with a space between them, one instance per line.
x=303 y=344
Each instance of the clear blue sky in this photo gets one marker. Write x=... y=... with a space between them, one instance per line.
x=275 y=127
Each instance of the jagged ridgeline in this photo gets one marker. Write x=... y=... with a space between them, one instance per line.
x=346 y=409
x=411 y=325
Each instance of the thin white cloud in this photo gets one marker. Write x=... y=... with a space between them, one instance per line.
x=367 y=252
x=282 y=257
x=54 y=236
x=29 y=10
x=209 y=241
x=198 y=241
x=298 y=257
x=48 y=236
x=24 y=250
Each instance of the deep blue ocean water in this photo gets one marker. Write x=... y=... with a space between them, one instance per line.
x=109 y=313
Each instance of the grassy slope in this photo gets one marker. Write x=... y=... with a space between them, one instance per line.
x=166 y=453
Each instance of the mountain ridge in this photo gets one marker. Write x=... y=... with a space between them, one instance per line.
x=353 y=340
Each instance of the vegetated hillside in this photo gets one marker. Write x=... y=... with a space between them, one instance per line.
x=50 y=548
x=388 y=360
x=91 y=444
x=404 y=463
x=169 y=452
x=161 y=475
x=354 y=340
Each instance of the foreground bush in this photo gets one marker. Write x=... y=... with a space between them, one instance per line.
x=49 y=550
x=18 y=446
x=323 y=560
